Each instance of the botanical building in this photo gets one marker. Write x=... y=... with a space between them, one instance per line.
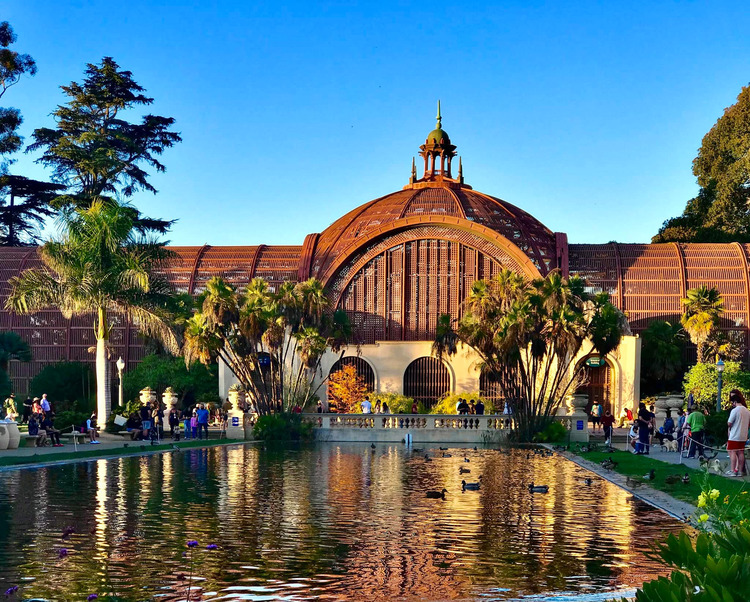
x=396 y=263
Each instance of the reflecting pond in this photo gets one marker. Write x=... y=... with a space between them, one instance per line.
x=328 y=522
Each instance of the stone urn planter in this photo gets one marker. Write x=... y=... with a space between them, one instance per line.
x=660 y=410
x=170 y=399
x=237 y=397
x=14 y=435
x=147 y=395
x=674 y=403
x=236 y=427
x=4 y=435
x=579 y=420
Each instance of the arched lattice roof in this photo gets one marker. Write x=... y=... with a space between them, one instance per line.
x=514 y=224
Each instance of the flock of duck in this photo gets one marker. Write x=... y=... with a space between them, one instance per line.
x=476 y=485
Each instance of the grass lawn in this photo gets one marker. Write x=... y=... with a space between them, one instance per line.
x=637 y=466
x=134 y=448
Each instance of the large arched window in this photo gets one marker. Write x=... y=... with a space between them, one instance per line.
x=427 y=380
x=364 y=370
x=489 y=388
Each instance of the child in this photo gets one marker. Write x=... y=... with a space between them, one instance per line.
x=194 y=424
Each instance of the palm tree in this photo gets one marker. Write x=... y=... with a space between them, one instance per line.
x=703 y=308
x=100 y=266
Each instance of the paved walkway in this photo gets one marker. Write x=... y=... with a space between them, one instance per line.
x=109 y=446
x=717 y=466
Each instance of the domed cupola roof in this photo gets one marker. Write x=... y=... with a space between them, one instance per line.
x=435 y=197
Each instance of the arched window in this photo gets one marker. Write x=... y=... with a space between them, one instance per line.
x=364 y=369
x=489 y=388
x=427 y=380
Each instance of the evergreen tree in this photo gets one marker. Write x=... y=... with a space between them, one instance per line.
x=12 y=67
x=721 y=211
x=95 y=151
x=19 y=221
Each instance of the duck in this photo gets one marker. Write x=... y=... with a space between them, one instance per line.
x=372 y=446
x=447 y=455
x=475 y=448
x=686 y=479
x=471 y=486
x=427 y=458
x=538 y=488
x=462 y=470
x=443 y=448
x=436 y=494
x=650 y=476
x=417 y=450
x=671 y=479
x=466 y=459
x=588 y=480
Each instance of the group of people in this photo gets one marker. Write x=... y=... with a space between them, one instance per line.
x=148 y=422
x=601 y=417
x=463 y=407
x=691 y=426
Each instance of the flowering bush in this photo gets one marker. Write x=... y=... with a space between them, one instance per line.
x=715 y=565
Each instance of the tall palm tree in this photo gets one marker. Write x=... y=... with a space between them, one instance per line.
x=703 y=308
x=100 y=266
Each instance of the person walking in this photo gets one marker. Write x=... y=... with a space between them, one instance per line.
x=696 y=422
x=608 y=422
x=203 y=415
x=46 y=407
x=737 y=427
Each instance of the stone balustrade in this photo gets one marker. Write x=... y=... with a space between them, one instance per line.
x=423 y=428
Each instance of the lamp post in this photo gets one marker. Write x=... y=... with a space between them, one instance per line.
x=720 y=371
x=120 y=367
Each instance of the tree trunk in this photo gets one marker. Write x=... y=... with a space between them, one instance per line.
x=103 y=391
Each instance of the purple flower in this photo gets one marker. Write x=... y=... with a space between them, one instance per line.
x=192 y=543
x=63 y=552
x=211 y=546
x=11 y=590
x=92 y=597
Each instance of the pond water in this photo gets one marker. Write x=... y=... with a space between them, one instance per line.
x=329 y=522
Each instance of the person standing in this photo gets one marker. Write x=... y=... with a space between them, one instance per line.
x=366 y=406
x=385 y=408
x=737 y=427
x=479 y=407
x=696 y=422
x=174 y=421
x=186 y=423
x=596 y=414
x=203 y=415
x=644 y=432
x=377 y=409
x=26 y=411
x=46 y=407
x=194 y=423
x=414 y=407
x=680 y=428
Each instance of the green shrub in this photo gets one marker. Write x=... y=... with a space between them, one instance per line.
x=447 y=405
x=702 y=380
x=553 y=433
x=282 y=427
x=397 y=403
x=71 y=417
x=716 y=426
x=6 y=388
x=69 y=386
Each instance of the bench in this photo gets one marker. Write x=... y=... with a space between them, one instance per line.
x=128 y=434
x=28 y=438
x=76 y=436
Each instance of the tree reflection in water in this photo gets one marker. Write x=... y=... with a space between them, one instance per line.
x=332 y=521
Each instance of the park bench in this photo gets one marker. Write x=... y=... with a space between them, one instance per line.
x=76 y=436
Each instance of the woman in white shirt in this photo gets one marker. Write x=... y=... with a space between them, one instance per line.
x=738 y=423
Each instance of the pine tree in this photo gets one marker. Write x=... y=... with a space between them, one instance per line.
x=19 y=220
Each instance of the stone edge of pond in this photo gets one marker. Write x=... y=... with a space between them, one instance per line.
x=113 y=456
x=675 y=508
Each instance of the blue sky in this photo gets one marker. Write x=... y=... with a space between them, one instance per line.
x=587 y=115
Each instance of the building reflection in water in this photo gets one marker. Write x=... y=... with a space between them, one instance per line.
x=337 y=522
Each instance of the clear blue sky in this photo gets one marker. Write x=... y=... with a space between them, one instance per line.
x=587 y=115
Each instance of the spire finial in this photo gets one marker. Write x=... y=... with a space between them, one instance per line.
x=413 y=168
x=439 y=118
x=460 y=171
